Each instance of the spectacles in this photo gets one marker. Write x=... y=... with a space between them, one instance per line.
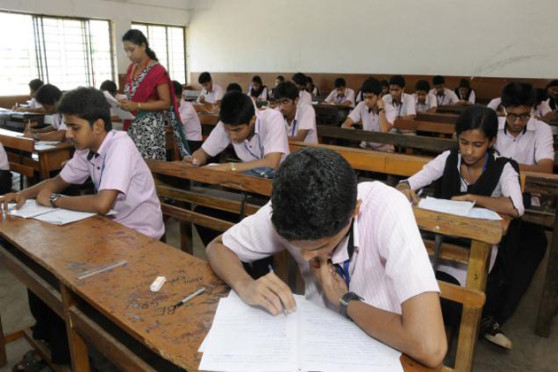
x=522 y=117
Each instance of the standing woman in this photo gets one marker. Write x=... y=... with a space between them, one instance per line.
x=150 y=97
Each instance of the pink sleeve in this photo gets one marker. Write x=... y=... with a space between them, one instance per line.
x=76 y=171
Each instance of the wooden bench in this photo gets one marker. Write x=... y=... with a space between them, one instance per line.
x=442 y=129
x=437 y=117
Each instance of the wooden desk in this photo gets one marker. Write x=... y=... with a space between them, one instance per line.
x=26 y=160
x=437 y=117
x=122 y=295
x=331 y=114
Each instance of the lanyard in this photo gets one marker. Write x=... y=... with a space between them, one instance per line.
x=399 y=110
x=340 y=98
x=257 y=134
x=443 y=99
x=293 y=131
x=343 y=269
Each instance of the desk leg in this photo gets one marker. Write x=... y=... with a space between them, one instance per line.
x=186 y=239
x=477 y=273
x=3 y=358
x=548 y=305
x=43 y=166
x=78 y=347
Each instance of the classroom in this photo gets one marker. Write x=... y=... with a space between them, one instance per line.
x=244 y=185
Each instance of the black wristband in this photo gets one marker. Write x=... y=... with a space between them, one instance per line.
x=345 y=300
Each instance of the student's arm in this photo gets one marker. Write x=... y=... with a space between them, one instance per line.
x=429 y=173
x=271 y=160
x=217 y=141
x=354 y=117
x=386 y=115
x=502 y=204
x=348 y=123
x=300 y=135
x=198 y=158
x=163 y=103
x=30 y=131
x=542 y=166
x=52 y=185
x=268 y=291
x=544 y=151
x=409 y=117
x=100 y=203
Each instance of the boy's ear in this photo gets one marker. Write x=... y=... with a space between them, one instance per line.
x=99 y=126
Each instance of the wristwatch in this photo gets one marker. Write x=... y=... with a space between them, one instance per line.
x=345 y=300
x=233 y=167
x=53 y=198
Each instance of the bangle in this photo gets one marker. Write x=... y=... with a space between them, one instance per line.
x=139 y=105
x=233 y=167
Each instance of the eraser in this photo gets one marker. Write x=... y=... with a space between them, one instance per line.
x=157 y=284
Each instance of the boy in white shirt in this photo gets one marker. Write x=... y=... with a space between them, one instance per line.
x=189 y=118
x=341 y=95
x=299 y=79
x=444 y=96
x=48 y=96
x=300 y=119
x=211 y=93
x=403 y=103
x=424 y=100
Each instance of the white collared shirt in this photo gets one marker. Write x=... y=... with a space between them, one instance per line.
x=448 y=98
x=334 y=97
x=305 y=119
x=429 y=103
x=304 y=97
x=214 y=96
x=389 y=264
x=530 y=146
x=472 y=97
x=371 y=122
x=190 y=121
x=407 y=106
x=495 y=104
x=269 y=136
x=261 y=97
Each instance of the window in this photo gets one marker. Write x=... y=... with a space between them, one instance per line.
x=168 y=44
x=66 y=52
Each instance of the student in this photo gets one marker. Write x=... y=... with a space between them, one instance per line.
x=464 y=92
x=32 y=104
x=374 y=113
x=424 y=100
x=259 y=138
x=444 y=96
x=385 y=87
x=311 y=88
x=109 y=86
x=5 y=174
x=211 y=93
x=189 y=118
x=474 y=172
x=48 y=96
x=123 y=183
x=366 y=233
x=257 y=90
x=300 y=120
x=542 y=110
x=278 y=80
x=552 y=92
x=299 y=79
x=234 y=87
x=403 y=103
x=341 y=95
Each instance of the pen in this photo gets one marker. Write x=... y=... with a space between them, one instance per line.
x=188 y=298
x=271 y=272
x=270 y=268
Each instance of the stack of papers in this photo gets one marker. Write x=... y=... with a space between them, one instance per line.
x=458 y=208
x=115 y=108
x=57 y=216
x=45 y=145
x=313 y=338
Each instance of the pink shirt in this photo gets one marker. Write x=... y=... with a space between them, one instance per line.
x=190 y=121
x=120 y=167
x=269 y=136
x=4 y=164
x=371 y=122
x=334 y=97
x=389 y=266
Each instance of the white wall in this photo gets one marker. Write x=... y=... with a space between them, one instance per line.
x=510 y=38
x=121 y=12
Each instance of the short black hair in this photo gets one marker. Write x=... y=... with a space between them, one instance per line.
x=371 y=85
x=314 y=195
x=281 y=78
x=397 y=80
x=233 y=87
x=464 y=83
x=177 y=88
x=541 y=95
x=422 y=85
x=299 y=79
x=86 y=103
x=205 y=77
x=109 y=86
x=384 y=83
x=48 y=94
x=478 y=117
x=257 y=79
x=236 y=109
x=35 y=84
x=286 y=90
x=309 y=80
x=340 y=83
x=518 y=94
x=553 y=83
x=437 y=80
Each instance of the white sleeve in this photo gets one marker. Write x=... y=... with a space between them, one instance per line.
x=472 y=97
x=351 y=96
x=544 y=142
x=331 y=96
x=275 y=138
x=429 y=173
x=217 y=141
x=391 y=113
x=411 y=108
x=511 y=188
x=308 y=118
x=433 y=100
x=263 y=95
x=355 y=114
x=452 y=97
x=218 y=93
x=544 y=108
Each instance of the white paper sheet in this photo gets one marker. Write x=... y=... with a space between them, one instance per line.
x=244 y=338
x=63 y=216
x=29 y=210
x=113 y=102
x=485 y=214
x=459 y=208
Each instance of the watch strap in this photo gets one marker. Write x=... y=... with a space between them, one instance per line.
x=345 y=300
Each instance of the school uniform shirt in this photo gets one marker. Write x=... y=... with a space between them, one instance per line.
x=58 y=122
x=429 y=102
x=448 y=98
x=190 y=121
x=389 y=264
x=261 y=97
x=315 y=92
x=33 y=104
x=542 y=109
x=211 y=97
x=119 y=166
x=407 y=106
x=4 y=164
x=508 y=186
x=269 y=136
x=334 y=97
x=495 y=104
x=472 y=97
x=530 y=146
x=305 y=119
x=371 y=122
x=304 y=97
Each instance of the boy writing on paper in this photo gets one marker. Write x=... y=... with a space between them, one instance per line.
x=300 y=120
x=32 y=104
x=350 y=242
x=123 y=183
x=48 y=96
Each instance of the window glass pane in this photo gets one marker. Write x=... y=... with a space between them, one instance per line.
x=101 y=55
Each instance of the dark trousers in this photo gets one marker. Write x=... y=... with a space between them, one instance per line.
x=519 y=255
x=50 y=328
x=257 y=268
x=5 y=181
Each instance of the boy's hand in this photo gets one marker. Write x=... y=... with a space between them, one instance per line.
x=43 y=198
x=332 y=284
x=269 y=292
x=408 y=192
x=12 y=198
